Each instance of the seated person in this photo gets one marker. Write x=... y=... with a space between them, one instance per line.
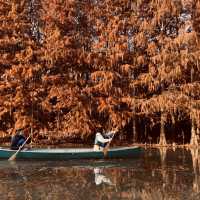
x=18 y=139
x=101 y=142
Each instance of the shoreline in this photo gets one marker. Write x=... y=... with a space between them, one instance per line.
x=83 y=145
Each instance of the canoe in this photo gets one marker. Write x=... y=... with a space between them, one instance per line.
x=71 y=153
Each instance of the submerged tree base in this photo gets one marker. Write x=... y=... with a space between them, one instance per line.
x=121 y=139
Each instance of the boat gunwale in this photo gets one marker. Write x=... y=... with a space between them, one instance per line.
x=67 y=150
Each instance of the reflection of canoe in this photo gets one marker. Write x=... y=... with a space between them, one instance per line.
x=71 y=153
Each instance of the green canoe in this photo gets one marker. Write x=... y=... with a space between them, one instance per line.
x=71 y=153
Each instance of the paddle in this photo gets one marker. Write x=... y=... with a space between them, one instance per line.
x=105 y=150
x=13 y=157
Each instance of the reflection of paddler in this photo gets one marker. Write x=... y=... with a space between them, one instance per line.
x=100 y=178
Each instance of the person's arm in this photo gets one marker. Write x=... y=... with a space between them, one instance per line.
x=22 y=137
x=110 y=134
x=100 y=138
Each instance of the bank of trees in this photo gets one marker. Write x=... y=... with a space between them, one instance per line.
x=69 y=68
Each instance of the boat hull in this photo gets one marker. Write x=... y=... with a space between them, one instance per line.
x=65 y=154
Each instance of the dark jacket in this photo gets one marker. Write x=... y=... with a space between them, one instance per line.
x=16 y=141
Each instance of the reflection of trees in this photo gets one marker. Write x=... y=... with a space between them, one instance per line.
x=151 y=178
x=163 y=152
x=196 y=167
x=171 y=172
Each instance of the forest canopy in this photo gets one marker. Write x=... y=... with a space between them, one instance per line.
x=71 y=67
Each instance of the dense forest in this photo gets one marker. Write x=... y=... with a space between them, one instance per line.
x=69 y=68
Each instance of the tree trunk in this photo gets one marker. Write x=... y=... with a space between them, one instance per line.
x=162 y=141
x=193 y=140
x=58 y=121
x=134 y=131
x=135 y=137
x=145 y=133
x=173 y=129
x=198 y=136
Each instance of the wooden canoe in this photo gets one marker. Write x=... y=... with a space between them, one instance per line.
x=71 y=153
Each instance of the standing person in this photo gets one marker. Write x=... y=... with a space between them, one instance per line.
x=18 y=139
x=101 y=142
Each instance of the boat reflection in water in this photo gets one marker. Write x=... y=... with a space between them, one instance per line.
x=157 y=174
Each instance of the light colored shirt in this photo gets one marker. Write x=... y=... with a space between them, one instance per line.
x=101 y=139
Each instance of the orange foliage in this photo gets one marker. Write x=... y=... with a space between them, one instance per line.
x=77 y=66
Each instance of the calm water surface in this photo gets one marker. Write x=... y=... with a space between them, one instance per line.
x=156 y=174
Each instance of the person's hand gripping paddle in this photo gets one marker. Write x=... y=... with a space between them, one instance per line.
x=105 y=150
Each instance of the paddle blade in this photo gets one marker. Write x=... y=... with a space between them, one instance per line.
x=13 y=157
x=105 y=152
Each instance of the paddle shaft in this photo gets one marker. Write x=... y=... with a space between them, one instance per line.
x=13 y=157
x=105 y=150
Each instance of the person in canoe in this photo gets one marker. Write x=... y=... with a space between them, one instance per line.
x=18 y=139
x=101 y=141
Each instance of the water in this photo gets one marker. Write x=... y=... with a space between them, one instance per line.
x=156 y=174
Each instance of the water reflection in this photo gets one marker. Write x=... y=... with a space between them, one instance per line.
x=196 y=167
x=100 y=178
x=157 y=174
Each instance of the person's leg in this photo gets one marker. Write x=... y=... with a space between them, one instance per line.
x=104 y=144
x=13 y=148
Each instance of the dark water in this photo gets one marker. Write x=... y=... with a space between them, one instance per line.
x=156 y=174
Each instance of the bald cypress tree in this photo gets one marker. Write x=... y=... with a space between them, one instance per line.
x=77 y=66
x=18 y=65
